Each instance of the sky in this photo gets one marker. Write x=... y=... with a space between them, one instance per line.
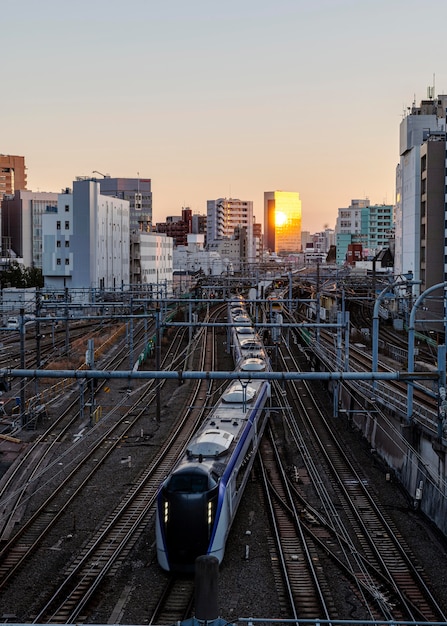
x=218 y=99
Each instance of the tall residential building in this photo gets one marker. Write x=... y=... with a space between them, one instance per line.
x=282 y=221
x=22 y=224
x=348 y=225
x=429 y=117
x=377 y=227
x=225 y=218
x=86 y=241
x=12 y=174
x=137 y=191
x=367 y=225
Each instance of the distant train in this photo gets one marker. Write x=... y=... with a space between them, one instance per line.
x=197 y=502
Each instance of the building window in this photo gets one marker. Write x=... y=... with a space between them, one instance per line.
x=67 y=225
x=58 y=225
x=67 y=261
x=67 y=244
x=58 y=261
x=58 y=244
x=67 y=208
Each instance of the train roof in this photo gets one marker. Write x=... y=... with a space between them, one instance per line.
x=211 y=443
x=253 y=364
x=237 y=392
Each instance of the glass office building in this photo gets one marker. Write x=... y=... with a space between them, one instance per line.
x=282 y=221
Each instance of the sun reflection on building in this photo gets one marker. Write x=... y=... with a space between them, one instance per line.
x=282 y=221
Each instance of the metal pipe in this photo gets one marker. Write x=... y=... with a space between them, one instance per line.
x=199 y=375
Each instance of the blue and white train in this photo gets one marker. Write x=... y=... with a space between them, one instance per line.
x=197 y=502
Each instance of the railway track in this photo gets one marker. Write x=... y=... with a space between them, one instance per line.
x=390 y=393
x=393 y=582
x=117 y=535
x=297 y=558
x=37 y=459
x=176 y=602
x=94 y=451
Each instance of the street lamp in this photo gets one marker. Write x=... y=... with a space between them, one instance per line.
x=411 y=332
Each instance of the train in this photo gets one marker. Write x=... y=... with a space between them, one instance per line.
x=198 y=500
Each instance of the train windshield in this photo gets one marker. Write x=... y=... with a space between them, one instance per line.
x=189 y=483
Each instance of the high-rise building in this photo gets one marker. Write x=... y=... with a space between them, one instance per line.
x=225 y=218
x=282 y=221
x=433 y=216
x=363 y=224
x=421 y=121
x=86 y=240
x=137 y=191
x=12 y=174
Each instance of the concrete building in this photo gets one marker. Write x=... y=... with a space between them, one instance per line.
x=433 y=212
x=230 y=255
x=282 y=222
x=348 y=225
x=22 y=224
x=138 y=192
x=225 y=217
x=198 y=225
x=433 y=268
x=364 y=224
x=377 y=224
x=86 y=241
x=421 y=120
x=194 y=258
x=306 y=238
x=12 y=174
x=151 y=259
x=177 y=227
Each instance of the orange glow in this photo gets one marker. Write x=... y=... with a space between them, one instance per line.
x=280 y=218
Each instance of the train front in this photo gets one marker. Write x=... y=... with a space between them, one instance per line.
x=186 y=510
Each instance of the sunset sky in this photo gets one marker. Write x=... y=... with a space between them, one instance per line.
x=218 y=99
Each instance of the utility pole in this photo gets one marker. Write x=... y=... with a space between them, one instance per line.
x=90 y=362
x=157 y=360
x=67 y=330
x=38 y=335
x=23 y=416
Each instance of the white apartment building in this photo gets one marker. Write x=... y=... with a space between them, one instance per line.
x=194 y=258
x=151 y=257
x=225 y=216
x=86 y=241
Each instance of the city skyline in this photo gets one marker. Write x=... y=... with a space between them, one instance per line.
x=217 y=101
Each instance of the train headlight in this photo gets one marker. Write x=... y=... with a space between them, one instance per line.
x=166 y=512
x=210 y=513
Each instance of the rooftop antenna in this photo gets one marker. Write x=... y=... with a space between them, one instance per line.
x=431 y=90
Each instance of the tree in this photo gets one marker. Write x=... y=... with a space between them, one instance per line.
x=15 y=275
